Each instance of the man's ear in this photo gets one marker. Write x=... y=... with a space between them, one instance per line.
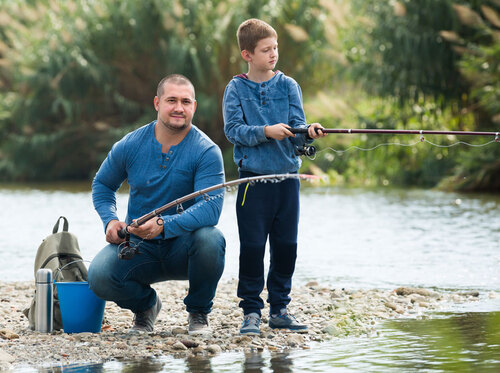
x=246 y=55
x=156 y=103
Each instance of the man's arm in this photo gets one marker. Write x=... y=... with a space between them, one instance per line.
x=204 y=213
x=108 y=179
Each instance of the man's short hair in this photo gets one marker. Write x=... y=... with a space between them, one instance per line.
x=251 y=31
x=175 y=79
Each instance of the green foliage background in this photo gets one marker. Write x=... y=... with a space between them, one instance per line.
x=75 y=76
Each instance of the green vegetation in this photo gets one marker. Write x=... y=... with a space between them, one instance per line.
x=75 y=76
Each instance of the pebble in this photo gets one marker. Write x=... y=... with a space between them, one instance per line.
x=329 y=313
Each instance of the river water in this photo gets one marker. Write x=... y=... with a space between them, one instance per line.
x=348 y=238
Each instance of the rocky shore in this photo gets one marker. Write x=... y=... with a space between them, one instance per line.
x=329 y=313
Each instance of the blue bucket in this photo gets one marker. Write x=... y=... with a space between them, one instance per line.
x=81 y=310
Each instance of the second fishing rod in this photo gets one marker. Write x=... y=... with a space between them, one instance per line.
x=309 y=150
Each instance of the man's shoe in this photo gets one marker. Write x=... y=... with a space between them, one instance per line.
x=284 y=320
x=145 y=321
x=198 y=323
x=251 y=324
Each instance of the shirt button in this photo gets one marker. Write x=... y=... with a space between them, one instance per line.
x=263 y=102
x=167 y=158
x=170 y=152
x=163 y=167
x=263 y=85
x=262 y=93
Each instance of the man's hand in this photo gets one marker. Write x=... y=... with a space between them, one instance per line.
x=114 y=226
x=312 y=131
x=148 y=230
x=278 y=131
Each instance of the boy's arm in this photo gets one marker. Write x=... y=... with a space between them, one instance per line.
x=236 y=129
x=296 y=116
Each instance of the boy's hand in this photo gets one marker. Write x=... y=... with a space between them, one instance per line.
x=315 y=131
x=278 y=131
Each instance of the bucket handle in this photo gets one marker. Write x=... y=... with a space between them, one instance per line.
x=59 y=270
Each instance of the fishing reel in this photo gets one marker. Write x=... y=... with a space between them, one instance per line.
x=127 y=250
x=307 y=150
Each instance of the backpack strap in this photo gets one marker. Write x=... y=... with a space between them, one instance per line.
x=65 y=225
x=58 y=255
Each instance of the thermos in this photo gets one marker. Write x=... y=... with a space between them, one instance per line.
x=44 y=309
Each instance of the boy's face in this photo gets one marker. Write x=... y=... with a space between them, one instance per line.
x=265 y=54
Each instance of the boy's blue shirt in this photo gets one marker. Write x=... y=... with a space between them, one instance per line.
x=248 y=107
x=157 y=178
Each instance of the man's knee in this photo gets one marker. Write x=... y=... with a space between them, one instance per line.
x=211 y=240
x=100 y=276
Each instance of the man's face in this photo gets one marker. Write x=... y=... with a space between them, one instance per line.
x=176 y=106
x=265 y=54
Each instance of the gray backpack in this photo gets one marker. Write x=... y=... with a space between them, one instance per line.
x=55 y=252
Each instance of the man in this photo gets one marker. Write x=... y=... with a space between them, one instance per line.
x=162 y=161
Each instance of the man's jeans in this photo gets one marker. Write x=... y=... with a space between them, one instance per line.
x=195 y=256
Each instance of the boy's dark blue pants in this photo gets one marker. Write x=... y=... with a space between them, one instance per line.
x=267 y=210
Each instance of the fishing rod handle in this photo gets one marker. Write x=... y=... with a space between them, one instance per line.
x=298 y=130
x=122 y=233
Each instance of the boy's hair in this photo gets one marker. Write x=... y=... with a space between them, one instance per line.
x=173 y=78
x=251 y=31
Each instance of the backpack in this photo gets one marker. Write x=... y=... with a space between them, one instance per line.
x=56 y=251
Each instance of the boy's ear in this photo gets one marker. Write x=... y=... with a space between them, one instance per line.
x=246 y=55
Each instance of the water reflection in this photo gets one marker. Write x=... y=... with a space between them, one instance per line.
x=198 y=364
x=459 y=342
x=256 y=362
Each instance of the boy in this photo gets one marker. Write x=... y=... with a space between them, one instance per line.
x=259 y=108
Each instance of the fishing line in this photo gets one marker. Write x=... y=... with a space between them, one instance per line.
x=401 y=144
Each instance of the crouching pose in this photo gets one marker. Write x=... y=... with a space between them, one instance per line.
x=162 y=161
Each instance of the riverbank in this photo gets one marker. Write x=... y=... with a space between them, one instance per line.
x=330 y=313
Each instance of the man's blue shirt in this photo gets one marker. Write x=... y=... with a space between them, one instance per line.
x=157 y=178
x=248 y=107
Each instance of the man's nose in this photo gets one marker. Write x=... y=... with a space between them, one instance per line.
x=178 y=106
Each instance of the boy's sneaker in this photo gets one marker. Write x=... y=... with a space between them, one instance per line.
x=284 y=320
x=145 y=321
x=251 y=324
x=198 y=323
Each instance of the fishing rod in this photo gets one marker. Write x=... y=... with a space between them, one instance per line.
x=398 y=132
x=310 y=150
x=128 y=252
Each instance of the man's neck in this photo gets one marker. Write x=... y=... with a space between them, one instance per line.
x=259 y=76
x=168 y=137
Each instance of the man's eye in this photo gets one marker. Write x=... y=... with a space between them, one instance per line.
x=186 y=102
